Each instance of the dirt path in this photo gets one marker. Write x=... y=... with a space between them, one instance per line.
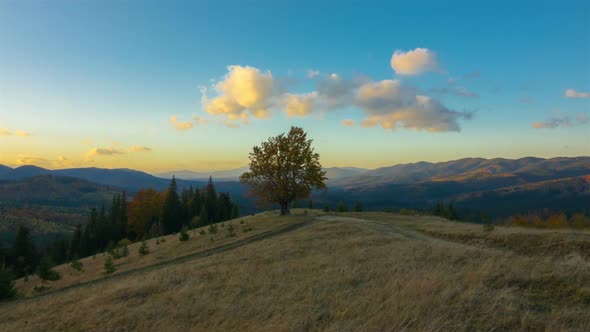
x=389 y=227
x=178 y=260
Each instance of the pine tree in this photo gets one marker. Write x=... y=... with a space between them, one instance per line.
x=224 y=207
x=75 y=244
x=235 y=211
x=231 y=231
x=184 y=236
x=196 y=203
x=7 y=290
x=45 y=271
x=310 y=204
x=452 y=213
x=143 y=248
x=123 y=219
x=204 y=216
x=102 y=229
x=358 y=206
x=109 y=265
x=76 y=264
x=24 y=252
x=211 y=201
x=114 y=228
x=171 y=214
x=342 y=207
x=58 y=250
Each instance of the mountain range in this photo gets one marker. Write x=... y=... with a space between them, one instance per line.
x=332 y=173
x=497 y=186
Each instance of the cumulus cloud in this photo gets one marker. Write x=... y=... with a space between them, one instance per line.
x=335 y=91
x=313 y=73
x=390 y=105
x=180 y=125
x=571 y=93
x=20 y=133
x=414 y=62
x=563 y=121
x=244 y=91
x=140 y=149
x=347 y=122
x=299 y=105
x=60 y=162
x=97 y=152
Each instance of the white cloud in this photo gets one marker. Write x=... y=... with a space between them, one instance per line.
x=414 y=62
x=313 y=73
x=243 y=92
x=334 y=91
x=299 y=105
x=571 y=93
x=390 y=105
x=20 y=133
x=179 y=125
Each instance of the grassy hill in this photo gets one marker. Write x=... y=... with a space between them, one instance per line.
x=315 y=271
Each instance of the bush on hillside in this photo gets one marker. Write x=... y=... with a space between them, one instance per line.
x=76 y=264
x=143 y=248
x=109 y=265
x=184 y=234
x=7 y=290
x=45 y=271
x=212 y=229
x=231 y=232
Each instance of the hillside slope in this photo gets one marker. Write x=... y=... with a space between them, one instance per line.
x=48 y=204
x=354 y=271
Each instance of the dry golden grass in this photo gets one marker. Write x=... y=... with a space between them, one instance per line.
x=340 y=272
x=170 y=249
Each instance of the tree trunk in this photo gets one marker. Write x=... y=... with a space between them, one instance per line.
x=284 y=208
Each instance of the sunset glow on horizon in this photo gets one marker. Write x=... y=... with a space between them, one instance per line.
x=159 y=86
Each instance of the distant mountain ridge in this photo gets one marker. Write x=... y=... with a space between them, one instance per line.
x=234 y=174
x=55 y=190
x=470 y=169
x=122 y=178
x=497 y=186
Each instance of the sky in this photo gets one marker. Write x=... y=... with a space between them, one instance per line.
x=175 y=85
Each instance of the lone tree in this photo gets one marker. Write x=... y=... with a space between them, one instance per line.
x=284 y=168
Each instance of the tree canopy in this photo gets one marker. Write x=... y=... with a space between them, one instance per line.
x=284 y=168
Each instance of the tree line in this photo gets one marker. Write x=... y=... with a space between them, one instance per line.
x=149 y=214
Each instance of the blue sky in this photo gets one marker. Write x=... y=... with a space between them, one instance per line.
x=95 y=83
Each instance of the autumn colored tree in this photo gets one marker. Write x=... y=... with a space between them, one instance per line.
x=558 y=220
x=284 y=168
x=144 y=211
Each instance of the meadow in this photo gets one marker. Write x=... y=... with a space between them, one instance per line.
x=326 y=271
